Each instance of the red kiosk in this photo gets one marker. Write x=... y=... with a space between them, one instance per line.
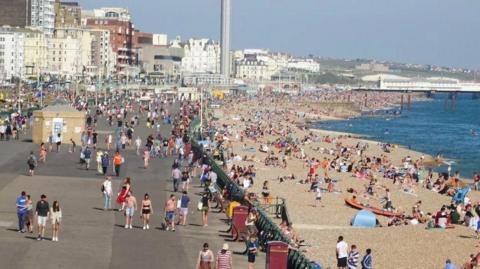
x=277 y=255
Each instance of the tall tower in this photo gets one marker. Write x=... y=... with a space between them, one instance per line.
x=225 y=64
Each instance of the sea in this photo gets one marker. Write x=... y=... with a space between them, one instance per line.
x=437 y=126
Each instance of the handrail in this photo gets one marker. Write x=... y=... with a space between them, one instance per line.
x=296 y=259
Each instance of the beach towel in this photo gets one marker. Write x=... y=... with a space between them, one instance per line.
x=459 y=196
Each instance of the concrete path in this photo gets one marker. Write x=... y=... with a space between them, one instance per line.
x=93 y=238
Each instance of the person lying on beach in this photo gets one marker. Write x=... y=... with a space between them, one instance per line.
x=397 y=221
x=295 y=240
x=358 y=193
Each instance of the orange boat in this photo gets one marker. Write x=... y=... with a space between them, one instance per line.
x=375 y=210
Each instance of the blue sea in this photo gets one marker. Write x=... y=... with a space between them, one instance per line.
x=430 y=126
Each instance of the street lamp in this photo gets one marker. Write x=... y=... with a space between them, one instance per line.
x=201 y=110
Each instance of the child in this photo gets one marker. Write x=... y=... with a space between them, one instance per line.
x=318 y=195
x=330 y=184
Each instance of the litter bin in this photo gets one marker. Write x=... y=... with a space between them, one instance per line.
x=277 y=255
x=240 y=214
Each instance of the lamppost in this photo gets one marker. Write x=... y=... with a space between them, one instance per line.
x=201 y=110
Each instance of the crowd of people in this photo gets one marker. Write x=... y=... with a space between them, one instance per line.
x=125 y=117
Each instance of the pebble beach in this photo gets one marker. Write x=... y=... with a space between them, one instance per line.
x=403 y=246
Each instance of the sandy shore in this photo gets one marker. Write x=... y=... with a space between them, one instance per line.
x=409 y=246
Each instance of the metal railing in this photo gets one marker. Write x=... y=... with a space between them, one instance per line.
x=296 y=259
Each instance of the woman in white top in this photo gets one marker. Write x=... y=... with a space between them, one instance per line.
x=205 y=258
x=56 y=217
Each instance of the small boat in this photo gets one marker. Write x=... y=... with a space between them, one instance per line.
x=375 y=210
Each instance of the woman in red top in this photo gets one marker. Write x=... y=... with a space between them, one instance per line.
x=122 y=195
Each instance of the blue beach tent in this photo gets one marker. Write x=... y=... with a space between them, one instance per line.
x=459 y=196
x=365 y=219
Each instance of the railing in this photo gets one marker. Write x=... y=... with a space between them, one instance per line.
x=278 y=208
x=296 y=259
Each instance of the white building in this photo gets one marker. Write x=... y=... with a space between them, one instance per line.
x=258 y=64
x=160 y=40
x=11 y=54
x=201 y=56
x=309 y=65
x=70 y=54
x=113 y=13
x=43 y=15
x=205 y=79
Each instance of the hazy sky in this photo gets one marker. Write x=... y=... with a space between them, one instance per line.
x=442 y=32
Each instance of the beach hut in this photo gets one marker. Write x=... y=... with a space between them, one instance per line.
x=365 y=219
x=57 y=119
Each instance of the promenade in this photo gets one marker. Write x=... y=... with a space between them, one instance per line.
x=91 y=237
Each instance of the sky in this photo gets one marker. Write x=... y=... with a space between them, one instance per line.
x=439 y=32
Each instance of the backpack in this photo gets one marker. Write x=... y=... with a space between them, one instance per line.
x=102 y=188
x=31 y=161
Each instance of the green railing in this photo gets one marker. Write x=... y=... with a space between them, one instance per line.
x=296 y=259
x=278 y=208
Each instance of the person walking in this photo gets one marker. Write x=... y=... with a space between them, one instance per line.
x=130 y=208
x=205 y=258
x=224 y=258
x=32 y=163
x=342 y=253
x=252 y=249
x=205 y=208
x=147 y=210
x=108 y=141
x=117 y=162
x=185 y=179
x=146 y=157
x=367 y=260
x=50 y=142
x=42 y=211
x=87 y=155
x=105 y=162
x=176 y=176
x=98 y=159
x=138 y=144
x=184 y=201
x=58 y=141
x=122 y=195
x=107 y=193
x=353 y=257
x=74 y=145
x=21 y=204
x=56 y=218
x=43 y=153
x=29 y=220
x=170 y=207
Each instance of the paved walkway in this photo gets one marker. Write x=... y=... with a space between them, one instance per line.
x=92 y=238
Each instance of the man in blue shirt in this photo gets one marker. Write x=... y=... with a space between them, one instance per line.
x=367 y=260
x=184 y=201
x=449 y=265
x=105 y=162
x=21 y=204
x=87 y=153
